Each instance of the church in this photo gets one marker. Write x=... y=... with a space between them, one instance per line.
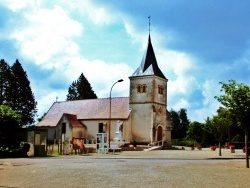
x=142 y=117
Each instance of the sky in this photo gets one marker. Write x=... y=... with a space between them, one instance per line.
x=197 y=45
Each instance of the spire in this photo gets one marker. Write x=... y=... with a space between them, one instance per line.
x=149 y=64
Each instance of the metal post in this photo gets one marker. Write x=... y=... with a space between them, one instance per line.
x=121 y=80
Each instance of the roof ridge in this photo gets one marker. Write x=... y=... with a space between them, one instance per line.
x=88 y=99
x=86 y=109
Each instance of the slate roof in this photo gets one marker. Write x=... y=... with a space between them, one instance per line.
x=89 y=109
x=149 y=64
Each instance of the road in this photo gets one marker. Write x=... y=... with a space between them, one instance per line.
x=128 y=169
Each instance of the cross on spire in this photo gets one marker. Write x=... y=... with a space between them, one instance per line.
x=149 y=24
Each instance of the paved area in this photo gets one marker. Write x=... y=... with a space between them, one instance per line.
x=168 y=168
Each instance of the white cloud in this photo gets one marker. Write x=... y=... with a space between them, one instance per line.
x=47 y=100
x=100 y=73
x=48 y=38
x=98 y=14
x=14 y=5
x=134 y=33
x=47 y=33
x=182 y=85
x=210 y=89
x=180 y=103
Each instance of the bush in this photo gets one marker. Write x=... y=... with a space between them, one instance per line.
x=188 y=143
x=10 y=152
x=237 y=138
x=175 y=142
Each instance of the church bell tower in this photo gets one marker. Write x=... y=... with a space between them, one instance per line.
x=148 y=101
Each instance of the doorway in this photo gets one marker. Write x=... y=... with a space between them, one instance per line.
x=100 y=128
x=159 y=133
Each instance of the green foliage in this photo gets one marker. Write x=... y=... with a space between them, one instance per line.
x=40 y=118
x=208 y=137
x=237 y=100
x=9 y=115
x=195 y=131
x=80 y=89
x=179 y=123
x=175 y=142
x=187 y=142
x=237 y=138
x=220 y=124
x=21 y=151
x=5 y=83
x=23 y=100
x=190 y=143
x=9 y=121
x=15 y=91
x=175 y=123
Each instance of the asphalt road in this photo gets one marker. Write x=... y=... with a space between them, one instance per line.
x=128 y=169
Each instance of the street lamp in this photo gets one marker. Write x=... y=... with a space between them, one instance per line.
x=121 y=80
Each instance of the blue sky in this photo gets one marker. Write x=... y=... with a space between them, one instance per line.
x=197 y=45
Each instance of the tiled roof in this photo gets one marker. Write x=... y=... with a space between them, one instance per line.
x=87 y=109
x=149 y=64
x=72 y=118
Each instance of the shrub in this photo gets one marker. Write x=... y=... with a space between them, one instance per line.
x=10 y=152
x=175 y=142
x=237 y=138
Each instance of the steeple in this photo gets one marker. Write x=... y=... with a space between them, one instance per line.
x=149 y=64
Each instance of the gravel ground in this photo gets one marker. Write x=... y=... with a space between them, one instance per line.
x=180 y=168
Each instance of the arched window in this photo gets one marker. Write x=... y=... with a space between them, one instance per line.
x=160 y=89
x=144 y=88
x=139 y=88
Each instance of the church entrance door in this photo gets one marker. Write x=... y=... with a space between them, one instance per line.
x=159 y=133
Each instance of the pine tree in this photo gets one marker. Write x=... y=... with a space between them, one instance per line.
x=72 y=92
x=184 y=122
x=80 y=89
x=5 y=82
x=180 y=123
x=175 y=123
x=22 y=99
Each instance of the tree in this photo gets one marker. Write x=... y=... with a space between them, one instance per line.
x=80 y=89
x=219 y=125
x=5 y=82
x=179 y=123
x=40 y=118
x=72 y=92
x=22 y=100
x=208 y=137
x=236 y=99
x=175 y=124
x=9 y=120
x=184 y=122
x=195 y=131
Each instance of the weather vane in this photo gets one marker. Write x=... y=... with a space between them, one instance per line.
x=149 y=24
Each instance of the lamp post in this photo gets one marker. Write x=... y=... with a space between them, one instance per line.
x=121 y=80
